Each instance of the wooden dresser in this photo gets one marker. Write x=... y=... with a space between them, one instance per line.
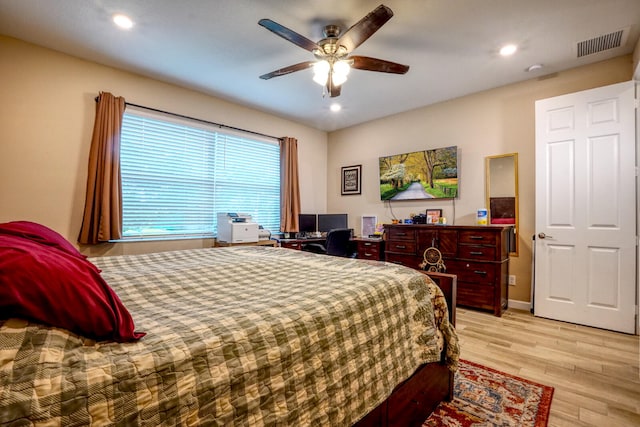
x=478 y=255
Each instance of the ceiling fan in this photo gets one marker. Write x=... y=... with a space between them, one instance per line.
x=332 y=52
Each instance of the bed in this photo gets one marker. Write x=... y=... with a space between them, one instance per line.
x=238 y=336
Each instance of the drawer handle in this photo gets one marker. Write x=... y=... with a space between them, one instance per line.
x=476 y=237
x=401 y=234
x=476 y=253
x=368 y=244
x=480 y=272
x=401 y=247
x=367 y=254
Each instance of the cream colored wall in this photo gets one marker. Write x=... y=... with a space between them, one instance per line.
x=493 y=122
x=46 y=120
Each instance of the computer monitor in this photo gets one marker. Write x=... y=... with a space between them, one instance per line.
x=307 y=223
x=328 y=222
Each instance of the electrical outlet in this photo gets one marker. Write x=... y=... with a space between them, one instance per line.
x=512 y=279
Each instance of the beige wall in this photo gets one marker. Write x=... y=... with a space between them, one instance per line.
x=46 y=120
x=493 y=122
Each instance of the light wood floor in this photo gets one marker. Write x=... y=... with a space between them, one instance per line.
x=595 y=373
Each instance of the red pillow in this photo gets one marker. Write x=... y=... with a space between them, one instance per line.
x=41 y=234
x=48 y=285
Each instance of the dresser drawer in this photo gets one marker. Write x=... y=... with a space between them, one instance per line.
x=370 y=250
x=402 y=247
x=406 y=260
x=472 y=295
x=373 y=250
x=478 y=237
x=473 y=272
x=400 y=233
x=291 y=245
x=369 y=246
x=369 y=255
x=486 y=253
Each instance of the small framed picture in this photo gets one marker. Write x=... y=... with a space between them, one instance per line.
x=433 y=215
x=351 y=180
x=368 y=228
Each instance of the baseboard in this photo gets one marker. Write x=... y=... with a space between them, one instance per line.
x=520 y=305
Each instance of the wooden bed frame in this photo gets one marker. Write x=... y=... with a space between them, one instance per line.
x=413 y=400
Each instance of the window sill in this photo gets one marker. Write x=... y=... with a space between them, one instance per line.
x=162 y=238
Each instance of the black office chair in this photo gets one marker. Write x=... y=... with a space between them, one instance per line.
x=338 y=243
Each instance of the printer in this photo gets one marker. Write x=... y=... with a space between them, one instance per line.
x=263 y=233
x=236 y=228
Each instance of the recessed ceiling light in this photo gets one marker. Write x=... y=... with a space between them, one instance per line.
x=508 y=50
x=123 y=21
x=335 y=107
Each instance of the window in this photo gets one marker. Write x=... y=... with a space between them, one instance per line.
x=178 y=174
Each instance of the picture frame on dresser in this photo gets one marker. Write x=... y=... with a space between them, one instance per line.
x=368 y=225
x=351 y=177
x=433 y=216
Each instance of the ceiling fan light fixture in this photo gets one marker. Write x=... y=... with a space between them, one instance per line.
x=339 y=71
x=321 y=71
x=341 y=68
x=321 y=79
x=338 y=79
x=333 y=62
x=321 y=67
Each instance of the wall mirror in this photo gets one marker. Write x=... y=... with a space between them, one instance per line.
x=501 y=192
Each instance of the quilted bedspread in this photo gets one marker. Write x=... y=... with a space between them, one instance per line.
x=240 y=336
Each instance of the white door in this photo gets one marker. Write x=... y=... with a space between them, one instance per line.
x=585 y=267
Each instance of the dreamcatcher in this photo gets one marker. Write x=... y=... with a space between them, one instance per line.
x=433 y=260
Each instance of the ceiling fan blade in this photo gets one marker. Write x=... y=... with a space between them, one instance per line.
x=363 y=29
x=333 y=90
x=288 y=70
x=375 y=64
x=288 y=34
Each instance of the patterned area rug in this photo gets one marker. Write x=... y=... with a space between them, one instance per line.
x=486 y=397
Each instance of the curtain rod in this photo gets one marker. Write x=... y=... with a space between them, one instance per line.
x=198 y=120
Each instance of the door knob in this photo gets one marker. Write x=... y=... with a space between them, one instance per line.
x=544 y=236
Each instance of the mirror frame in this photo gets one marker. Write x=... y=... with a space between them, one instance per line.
x=487 y=193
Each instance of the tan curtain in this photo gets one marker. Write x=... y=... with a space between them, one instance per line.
x=102 y=220
x=290 y=189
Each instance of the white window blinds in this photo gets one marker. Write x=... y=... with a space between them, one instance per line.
x=177 y=175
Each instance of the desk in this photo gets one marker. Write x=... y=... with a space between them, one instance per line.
x=299 y=243
x=273 y=243
x=366 y=248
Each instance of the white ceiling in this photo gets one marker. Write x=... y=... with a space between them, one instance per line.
x=217 y=47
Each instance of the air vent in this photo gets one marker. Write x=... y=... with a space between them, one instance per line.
x=601 y=43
